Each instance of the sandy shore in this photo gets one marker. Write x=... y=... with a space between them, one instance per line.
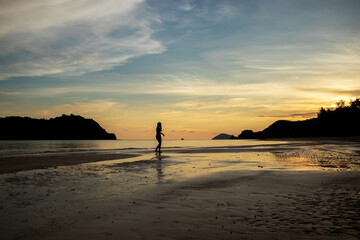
x=288 y=191
x=36 y=161
x=242 y=205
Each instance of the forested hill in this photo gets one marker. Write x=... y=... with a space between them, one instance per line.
x=66 y=127
x=341 y=121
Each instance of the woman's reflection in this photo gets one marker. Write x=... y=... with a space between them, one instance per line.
x=160 y=174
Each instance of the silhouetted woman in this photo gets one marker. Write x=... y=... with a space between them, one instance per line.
x=158 y=137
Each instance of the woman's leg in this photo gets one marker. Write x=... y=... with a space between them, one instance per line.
x=159 y=145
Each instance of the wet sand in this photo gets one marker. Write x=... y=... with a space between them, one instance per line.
x=36 y=161
x=288 y=191
x=262 y=205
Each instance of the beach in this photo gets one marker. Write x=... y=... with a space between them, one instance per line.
x=280 y=190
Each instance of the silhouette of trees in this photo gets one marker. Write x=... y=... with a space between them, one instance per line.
x=340 y=121
x=59 y=128
x=341 y=109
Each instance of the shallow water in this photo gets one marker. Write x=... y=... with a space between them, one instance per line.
x=47 y=199
x=62 y=146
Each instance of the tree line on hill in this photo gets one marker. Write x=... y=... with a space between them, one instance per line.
x=340 y=121
x=65 y=127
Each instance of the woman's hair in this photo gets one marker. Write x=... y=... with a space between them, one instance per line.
x=159 y=126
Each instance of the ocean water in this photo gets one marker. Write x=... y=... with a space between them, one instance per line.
x=324 y=154
x=61 y=146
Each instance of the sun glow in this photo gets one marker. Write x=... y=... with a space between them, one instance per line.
x=201 y=68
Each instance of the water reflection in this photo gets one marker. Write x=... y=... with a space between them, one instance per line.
x=160 y=174
x=8 y=147
x=319 y=157
x=158 y=166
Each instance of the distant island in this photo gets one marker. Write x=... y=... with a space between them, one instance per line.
x=65 y=127
x=223 y=136
x=340 y=121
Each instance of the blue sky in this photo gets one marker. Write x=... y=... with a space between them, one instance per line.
x=200 y=67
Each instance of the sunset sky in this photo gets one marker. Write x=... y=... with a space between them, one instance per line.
x=199 y=67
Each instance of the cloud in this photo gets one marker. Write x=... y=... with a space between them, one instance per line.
x=73 y=37
x=293 y=58
x=84 y=107
x=250 y=106
x=198 y=86
x=189 y=131
x=168 y=85
x=295 y=115
x=186 y=6
x=349 y=92
x=215 y=104
x=9 y=93
x=189 y=85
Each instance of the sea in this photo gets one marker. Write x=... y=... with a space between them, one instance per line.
x=26 y=147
